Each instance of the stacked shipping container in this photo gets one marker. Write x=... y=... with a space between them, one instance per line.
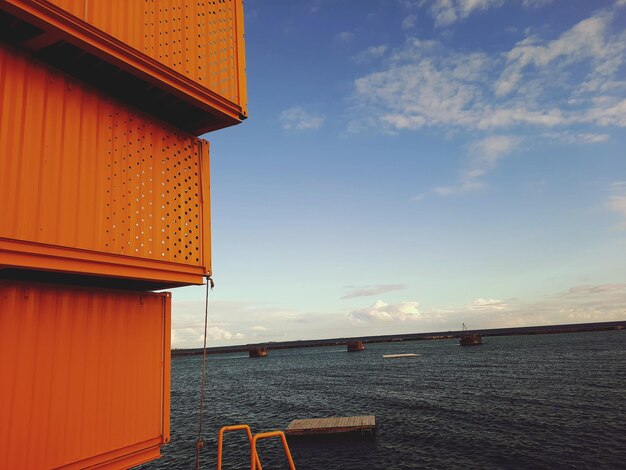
x=103 y=184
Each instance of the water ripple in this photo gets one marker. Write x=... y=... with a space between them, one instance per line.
x=549 y=401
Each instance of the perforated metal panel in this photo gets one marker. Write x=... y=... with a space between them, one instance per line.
x=152 y=191
x=195 y=38
x=201 y=39
x=78 y=170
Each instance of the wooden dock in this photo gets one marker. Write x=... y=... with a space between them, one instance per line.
x=346 y=424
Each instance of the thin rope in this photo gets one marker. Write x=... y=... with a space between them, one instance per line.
x=200 y=442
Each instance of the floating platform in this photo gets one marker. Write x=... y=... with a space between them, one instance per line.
x=335 y=425
x=394 y=356
x=257 y=352
x=356 y=346
x=471 y=340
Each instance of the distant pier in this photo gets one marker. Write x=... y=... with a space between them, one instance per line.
x=526 y=330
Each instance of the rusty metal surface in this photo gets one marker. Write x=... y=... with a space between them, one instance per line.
x=80 y=171
x=84 y=375
x=203 y=40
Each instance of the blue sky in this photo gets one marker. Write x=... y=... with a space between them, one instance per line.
x=411 y=165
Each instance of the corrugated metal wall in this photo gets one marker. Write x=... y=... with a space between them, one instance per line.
x=80 y=170
x=201 y=39
x=83 y=373
x=92 y=186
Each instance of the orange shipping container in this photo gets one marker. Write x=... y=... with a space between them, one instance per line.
x=91 y=186
x=200 y=39
x=182 y=61
x=84 y=376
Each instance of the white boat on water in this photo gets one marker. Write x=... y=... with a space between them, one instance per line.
x=394 y=356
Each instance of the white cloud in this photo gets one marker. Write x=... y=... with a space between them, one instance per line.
x=448 y=190
x=345 y=37
x=192 y=337
x=588 y=138
x=608 y=115
x=589 y=303
x=572 y=80
x=188 y=324
x=446 y=12
x=596 y=289
x=417 y=90
x=369 y=54
x=409 y=22
x=230 y=322
x=580 y=304
x=488 y=304
x=411 y=3
x=535 y=3
x=484 y=155
x=490 y=149
x=383 y=312
x=240 y=322
x=297 y=118
x=617 y=201
x=586 y=43
x=577 y=137
x=366 y=291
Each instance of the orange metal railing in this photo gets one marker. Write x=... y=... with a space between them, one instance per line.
x=267 y=435
x=255 y=463
x=220 y=441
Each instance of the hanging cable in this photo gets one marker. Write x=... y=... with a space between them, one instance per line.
x=199 y=441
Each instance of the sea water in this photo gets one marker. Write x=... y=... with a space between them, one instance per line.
x=542 y=401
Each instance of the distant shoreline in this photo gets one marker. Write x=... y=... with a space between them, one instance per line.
x=524 y=330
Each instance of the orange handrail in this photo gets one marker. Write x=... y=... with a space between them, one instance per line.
x=254 y=458
x=266 y=435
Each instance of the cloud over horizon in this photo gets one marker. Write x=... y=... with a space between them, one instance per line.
x=580 y=304
x=617 y=201
x=366 y=291
x=488 y=304
x=230 y=322
x=238 y=322
x=383 y=312
x=596 y=289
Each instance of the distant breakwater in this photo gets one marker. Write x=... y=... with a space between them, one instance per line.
x=524 y=330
